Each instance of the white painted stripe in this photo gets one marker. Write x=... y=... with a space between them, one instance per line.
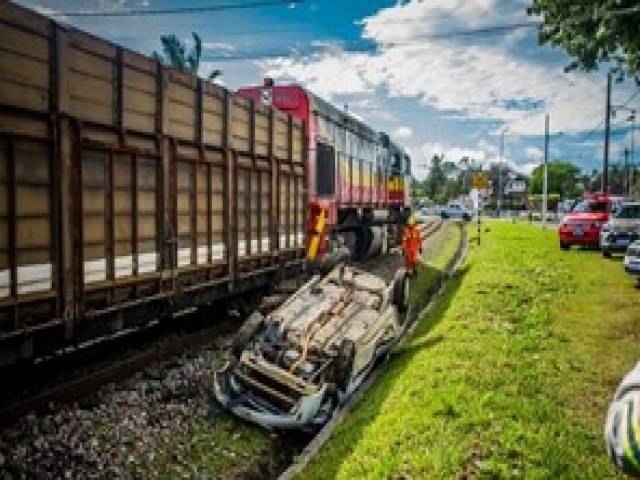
x=283 y=241
x=184 y=257
x=5 y=278
x=124 y=266
x=95 y=270
x=254 y=246
x=218 y=251
x=34 y=278
x=265 y=244
x=300 y=239
x=242 y=248
x=147 y=262
x=203 y=254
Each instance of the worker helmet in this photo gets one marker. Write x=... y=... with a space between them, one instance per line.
x=411 y=221
x=622 y=428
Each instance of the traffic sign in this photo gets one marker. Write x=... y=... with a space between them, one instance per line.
x=480 y=181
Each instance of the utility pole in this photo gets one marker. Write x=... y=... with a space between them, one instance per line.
x=625 y=174
x=545 y=178
x=607 y=135
x=500 y=171
x=632 y=171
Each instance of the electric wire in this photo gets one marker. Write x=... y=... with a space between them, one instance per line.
x=180 y=10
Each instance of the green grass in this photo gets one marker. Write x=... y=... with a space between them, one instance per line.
x=508 y=376
x=437 y=253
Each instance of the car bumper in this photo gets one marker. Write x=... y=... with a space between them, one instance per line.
x=632 y=266
x=307 y=413
x=616 y=242
x=584 y=237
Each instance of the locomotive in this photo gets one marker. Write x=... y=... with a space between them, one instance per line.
x=358 y=180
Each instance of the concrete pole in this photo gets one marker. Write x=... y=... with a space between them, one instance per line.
x=607 y=136
x=545 y=176
x=499 y=202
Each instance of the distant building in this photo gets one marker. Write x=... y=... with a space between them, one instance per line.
x=514 y=187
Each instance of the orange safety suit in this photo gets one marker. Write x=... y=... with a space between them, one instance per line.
x=411 y=247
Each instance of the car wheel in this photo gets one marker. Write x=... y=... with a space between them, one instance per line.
x=606 y=253
x=564 y=246
x=243 y=336
x=466 y=217
x=400 y=292
x=344 y=364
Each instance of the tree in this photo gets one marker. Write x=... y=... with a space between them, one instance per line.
x=563 y=179
x=175 y=55
x=593 y=31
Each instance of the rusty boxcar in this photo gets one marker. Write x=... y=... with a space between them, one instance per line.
x=129 y=190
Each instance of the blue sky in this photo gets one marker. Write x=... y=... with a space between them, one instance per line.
x=395 y=65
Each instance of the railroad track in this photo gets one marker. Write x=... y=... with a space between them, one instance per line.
x=82 y=385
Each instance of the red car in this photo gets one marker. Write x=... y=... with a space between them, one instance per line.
x=581 y=226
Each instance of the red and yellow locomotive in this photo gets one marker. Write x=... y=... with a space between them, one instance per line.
x=358 y=180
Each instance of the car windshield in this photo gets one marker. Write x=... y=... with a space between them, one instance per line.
x=590 y=207
x=628 y=211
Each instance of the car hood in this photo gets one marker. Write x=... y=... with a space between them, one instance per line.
x=625 y=224
x=586 y=217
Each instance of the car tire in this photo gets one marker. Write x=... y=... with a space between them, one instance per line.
x=246 y=332
x=606 y=253
x=344 y=364
x=400 y=291
x=466 y=217
x=564 y=246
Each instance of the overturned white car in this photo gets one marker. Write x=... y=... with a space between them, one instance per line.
x=292 y=368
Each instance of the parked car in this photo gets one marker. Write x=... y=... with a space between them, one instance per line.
x=632 y=260
x=581 y=226
x=456 y=210
x=621 y=230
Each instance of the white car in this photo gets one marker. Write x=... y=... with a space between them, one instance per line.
x=632 y=260
x=456 y=210
x=294 y=367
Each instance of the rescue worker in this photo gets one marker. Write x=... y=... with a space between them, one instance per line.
x=622 y=427
x=411 y=245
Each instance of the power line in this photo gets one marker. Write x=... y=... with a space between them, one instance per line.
x=181 y=10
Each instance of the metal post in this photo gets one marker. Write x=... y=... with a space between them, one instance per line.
x=545 y=178
x=632 y=170
x=625 y=173
x=607 y=135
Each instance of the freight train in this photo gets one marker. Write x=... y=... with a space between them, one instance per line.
x=131 y=192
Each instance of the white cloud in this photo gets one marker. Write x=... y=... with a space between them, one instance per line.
x=219 y=46
x=534 y=153
x=51 y=13
x=402 y=133
x=474 y=81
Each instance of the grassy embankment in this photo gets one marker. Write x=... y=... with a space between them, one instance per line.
x=508 y=376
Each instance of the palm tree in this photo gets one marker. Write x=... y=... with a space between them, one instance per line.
x=175 y=55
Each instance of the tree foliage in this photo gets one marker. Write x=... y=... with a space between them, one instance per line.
x=174 y=54
x=564 y=179
x=593 y=31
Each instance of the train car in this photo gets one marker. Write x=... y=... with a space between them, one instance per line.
x=130 y=191
x=358 y=180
